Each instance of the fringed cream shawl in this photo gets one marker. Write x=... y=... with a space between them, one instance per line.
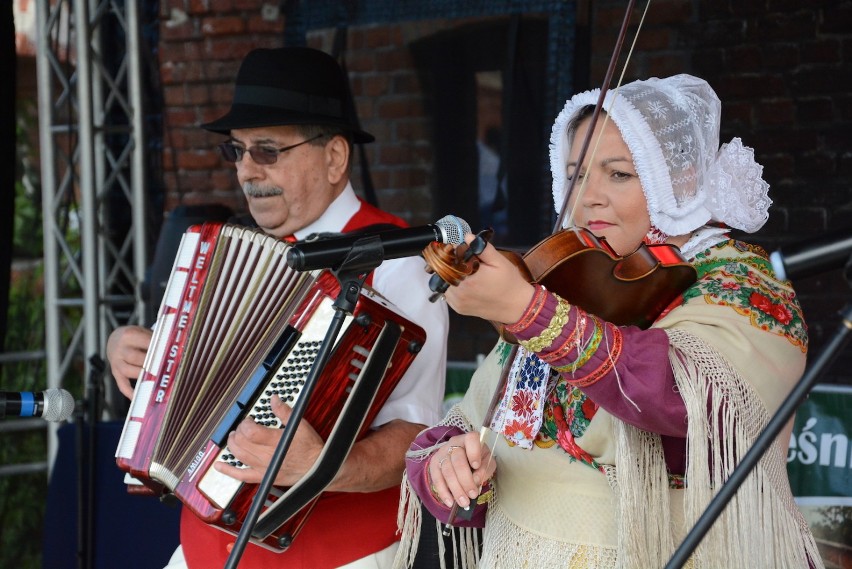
x=549 y=511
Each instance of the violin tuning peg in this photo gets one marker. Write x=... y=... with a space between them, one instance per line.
x=437 y=284
x=486 y=234
x=477 y=246
x=435 y=297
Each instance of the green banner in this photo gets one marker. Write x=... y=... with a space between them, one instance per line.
x=819 y=459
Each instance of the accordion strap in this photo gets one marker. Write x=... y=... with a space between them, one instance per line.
x=340 y=440
x=350 y=275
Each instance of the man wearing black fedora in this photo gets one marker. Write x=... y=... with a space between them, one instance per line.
x=290 y=136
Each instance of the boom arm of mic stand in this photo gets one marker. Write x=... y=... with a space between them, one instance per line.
x=763 y=442
x=363 y=258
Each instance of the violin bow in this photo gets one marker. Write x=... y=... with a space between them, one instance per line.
x=483 y=430
x=599 y=107
x=507 y=365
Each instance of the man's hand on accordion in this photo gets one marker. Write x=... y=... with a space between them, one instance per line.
x=375 y=462
x=253 y=445
x=126 y=350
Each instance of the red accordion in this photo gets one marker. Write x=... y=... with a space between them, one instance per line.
x=235 y=326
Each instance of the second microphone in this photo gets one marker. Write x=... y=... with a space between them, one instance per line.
x=394 y=243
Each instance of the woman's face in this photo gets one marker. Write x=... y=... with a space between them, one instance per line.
x=608 y=195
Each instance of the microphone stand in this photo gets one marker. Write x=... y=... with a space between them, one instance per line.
x=366 y=254
x=764 y=441
x=86 y=465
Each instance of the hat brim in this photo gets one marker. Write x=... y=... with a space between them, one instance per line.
x=250 y=116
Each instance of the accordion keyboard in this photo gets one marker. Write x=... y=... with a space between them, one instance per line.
x=287 y=382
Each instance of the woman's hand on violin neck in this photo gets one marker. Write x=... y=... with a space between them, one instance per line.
x=459 y=468
x=496 y=291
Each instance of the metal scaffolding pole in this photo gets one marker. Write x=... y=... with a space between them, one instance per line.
x=93 y=195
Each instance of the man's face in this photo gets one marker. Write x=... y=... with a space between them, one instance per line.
x=294 y=191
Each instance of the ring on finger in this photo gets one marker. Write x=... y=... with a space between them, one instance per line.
x=451 y=449
x=441 y=462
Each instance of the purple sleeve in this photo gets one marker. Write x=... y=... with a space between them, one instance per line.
x=418 y=476
x=625 y=370
x=641 y=390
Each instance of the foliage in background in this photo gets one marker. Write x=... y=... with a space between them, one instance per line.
x=836 y=524
x=22 y=496
x=28 y=242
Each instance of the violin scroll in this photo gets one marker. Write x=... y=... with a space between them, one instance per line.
x=451 y=264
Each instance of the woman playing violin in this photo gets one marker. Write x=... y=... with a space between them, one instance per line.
x=612 y=438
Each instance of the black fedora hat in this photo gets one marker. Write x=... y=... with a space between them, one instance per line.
x=290 y=86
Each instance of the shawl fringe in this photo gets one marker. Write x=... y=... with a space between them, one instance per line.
x=761 y=526
x=465 y=541
x=509 y=546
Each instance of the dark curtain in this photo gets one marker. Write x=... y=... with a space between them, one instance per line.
x=8 y=90
x=447 y=63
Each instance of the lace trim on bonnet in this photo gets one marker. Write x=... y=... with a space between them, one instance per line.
x=671 y=127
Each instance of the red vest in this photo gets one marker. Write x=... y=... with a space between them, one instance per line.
x=343 y=527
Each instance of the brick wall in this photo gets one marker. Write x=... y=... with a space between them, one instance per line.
x=780 y=68
x=785 y=80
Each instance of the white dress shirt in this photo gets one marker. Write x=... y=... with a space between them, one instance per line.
x=418 y=396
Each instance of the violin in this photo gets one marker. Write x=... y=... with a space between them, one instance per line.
x=583 y=269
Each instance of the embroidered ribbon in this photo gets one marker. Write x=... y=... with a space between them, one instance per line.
x=519 y=414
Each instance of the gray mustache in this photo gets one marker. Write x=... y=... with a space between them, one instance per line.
x=257 y=191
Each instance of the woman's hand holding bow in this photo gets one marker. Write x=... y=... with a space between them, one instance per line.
x=459 y=468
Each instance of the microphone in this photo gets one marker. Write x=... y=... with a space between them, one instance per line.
x=381 y=245
x=828 y=252
x=51 y=405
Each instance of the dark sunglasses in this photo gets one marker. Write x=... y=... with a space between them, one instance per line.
x=263 y=155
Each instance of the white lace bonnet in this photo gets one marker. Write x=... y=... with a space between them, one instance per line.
x=671 y=127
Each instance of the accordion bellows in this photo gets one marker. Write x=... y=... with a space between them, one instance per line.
x=235 y=326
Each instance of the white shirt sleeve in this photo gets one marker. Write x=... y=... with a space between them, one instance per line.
x=419 y=395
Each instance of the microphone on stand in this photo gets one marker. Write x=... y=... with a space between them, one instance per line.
x=51 y=405
x=395 y=243
x=808 y=258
